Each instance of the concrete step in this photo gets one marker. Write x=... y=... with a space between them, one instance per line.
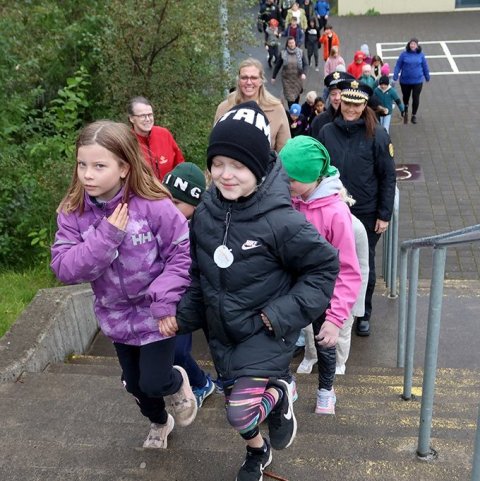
x=86 y=427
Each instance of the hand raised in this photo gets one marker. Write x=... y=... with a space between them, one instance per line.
x=119 y=217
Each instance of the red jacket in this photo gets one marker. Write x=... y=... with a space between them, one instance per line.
x=355 y=68
x=160 y=151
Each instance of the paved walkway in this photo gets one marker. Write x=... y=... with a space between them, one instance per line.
x=444 y=143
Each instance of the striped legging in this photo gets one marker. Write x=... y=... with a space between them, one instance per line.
x=248 y=404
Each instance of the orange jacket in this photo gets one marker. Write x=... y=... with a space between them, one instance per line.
x=326 y=48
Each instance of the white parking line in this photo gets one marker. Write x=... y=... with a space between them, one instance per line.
x=449 y=57
x=386 y=49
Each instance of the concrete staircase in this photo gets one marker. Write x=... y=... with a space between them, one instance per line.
x=74 y=421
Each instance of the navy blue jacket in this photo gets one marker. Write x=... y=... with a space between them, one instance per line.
x=366 y=166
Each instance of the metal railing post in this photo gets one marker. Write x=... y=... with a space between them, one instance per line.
x=476 y=453
x=390 y=246
x=431 y=351
x=402 y=307
x=386 y=255
x=411 y=322
x=394 y=241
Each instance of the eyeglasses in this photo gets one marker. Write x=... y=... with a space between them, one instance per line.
x=144 y=116
x=246 y=78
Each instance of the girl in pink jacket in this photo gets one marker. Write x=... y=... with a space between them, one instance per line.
x=316 y=188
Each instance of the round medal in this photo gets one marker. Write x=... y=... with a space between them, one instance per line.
x=223 y=257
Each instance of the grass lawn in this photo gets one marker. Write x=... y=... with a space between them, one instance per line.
x=17 y=289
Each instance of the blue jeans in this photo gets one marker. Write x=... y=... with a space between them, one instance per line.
x=183 y=358
x=385 y=122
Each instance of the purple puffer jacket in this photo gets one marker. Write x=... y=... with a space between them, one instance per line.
x=137 y=276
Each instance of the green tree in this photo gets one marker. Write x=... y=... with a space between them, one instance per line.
x=63 y=64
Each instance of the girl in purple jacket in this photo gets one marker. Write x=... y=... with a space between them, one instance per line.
x=316 y=189
x=119 y=230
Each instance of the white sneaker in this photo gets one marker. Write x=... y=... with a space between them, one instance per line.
x=325 y=401
x=340 y=369
x=183 y=402
x=292 y=389
x=157 y=437
x=306 y=366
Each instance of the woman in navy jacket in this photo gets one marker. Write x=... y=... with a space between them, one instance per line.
x=361 y=150
x=413 y=70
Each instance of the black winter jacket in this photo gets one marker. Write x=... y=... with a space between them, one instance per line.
x=320 y=120
x=366 y=166
x=282 y=267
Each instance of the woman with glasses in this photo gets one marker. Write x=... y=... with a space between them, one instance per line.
x=158 y=145
x=251 y=86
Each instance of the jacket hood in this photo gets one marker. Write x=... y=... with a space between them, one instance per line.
x=327 y=193
x=417 y=50
x=327 y=187
x=359 y=55
x=273 y=192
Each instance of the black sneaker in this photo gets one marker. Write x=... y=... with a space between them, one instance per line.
x=254 y=464
x=282 y=424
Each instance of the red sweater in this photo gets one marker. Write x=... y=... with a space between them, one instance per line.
x=160 y=151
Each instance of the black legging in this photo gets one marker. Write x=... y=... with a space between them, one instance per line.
x=415 y=90
x=326 y=359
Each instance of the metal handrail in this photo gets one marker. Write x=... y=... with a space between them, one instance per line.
x=390 y=249
x=407 y=320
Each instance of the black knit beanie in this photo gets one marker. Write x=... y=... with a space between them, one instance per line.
x=243 y=134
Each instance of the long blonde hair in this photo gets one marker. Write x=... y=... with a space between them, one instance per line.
x=265 y=98
x=120 y=140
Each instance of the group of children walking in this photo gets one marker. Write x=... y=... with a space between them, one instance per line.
x=258 y=263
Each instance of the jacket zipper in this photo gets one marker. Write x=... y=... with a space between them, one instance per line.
x=154 y=165
x=222 y=279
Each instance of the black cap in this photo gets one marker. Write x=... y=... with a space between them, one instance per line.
x=331 y=81
x=384 y=80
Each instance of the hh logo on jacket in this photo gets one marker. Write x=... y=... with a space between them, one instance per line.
x=142 y=238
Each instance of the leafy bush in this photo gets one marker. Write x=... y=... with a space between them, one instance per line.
x=36 y=173
x=62 y=66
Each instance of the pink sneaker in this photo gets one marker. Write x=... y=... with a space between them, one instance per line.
x=325 y=401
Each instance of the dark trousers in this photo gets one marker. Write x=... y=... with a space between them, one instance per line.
x=183 y=358
x=326 y=359
x=322 y=21
x=148 y=374
x=273 y=53
x=312 y=50
x=369 y=222
x=414 y=90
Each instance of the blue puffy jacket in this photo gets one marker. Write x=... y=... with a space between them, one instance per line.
x=412 y=67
